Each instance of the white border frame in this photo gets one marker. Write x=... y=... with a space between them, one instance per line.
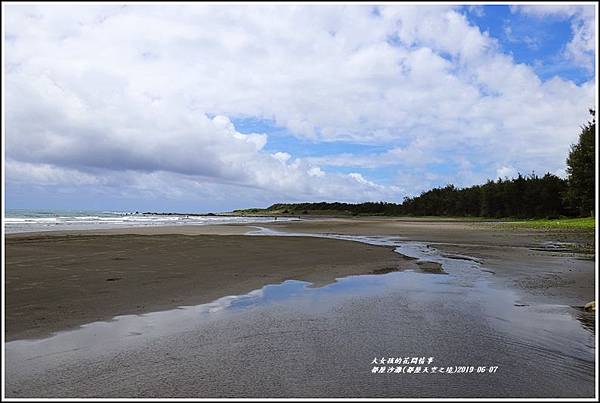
x=4 y=398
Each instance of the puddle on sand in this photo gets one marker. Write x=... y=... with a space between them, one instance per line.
x=299 y=295
x=548 y=334
x=558 y=329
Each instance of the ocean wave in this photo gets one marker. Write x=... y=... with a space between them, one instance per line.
x=28 y=223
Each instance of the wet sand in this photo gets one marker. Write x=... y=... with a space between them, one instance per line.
x=62 y=279
x=548 y=266
x=505 y=298
x=57 y=281
x=289 y=341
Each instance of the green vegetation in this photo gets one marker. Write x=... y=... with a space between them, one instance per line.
x=522 y=197
x=581 y=168
x=585 y=223
x=545 y=198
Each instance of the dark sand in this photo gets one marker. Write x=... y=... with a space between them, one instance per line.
x=55 y=281
x=520 y=258
x=62 y=279
x=514 y=310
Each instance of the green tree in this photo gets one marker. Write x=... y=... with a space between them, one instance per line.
x=581 y=168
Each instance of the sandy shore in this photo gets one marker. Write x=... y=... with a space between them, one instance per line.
x=59 y=280
x=56 y=281
x=553 y=267
x=513 y=310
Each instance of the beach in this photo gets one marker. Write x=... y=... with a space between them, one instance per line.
x=58 y=282
x=548 y=266
x=501 y=297
x=292 y=201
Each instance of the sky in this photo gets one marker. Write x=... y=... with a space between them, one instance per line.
x=197 y=107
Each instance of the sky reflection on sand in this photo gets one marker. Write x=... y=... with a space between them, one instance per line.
x=426 y=303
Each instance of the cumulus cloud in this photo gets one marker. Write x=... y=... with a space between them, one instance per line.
x=506 y=172
x=127 y=95
x=419 y=153
x=582 y=46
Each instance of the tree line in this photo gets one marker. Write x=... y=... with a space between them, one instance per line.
x=529 y=196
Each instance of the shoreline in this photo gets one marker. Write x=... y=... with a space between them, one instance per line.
x=126 y=266
x=517 y=319
x=545 y=266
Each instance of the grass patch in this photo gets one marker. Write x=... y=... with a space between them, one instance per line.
x=586 y=223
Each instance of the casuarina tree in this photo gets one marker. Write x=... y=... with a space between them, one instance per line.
x=581 y=168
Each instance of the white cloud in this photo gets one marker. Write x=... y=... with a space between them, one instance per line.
x=419 y=153
x=45 y=174
x=506 y=172
x=479 y=11
x=581 y=49
x=280 y=156
x=359 y=178
x=122 y=95
x=316 y=171
x=205 y=150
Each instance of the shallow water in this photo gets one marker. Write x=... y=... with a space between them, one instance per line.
x=297 y=339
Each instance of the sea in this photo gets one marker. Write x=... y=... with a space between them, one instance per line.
x=21 y=220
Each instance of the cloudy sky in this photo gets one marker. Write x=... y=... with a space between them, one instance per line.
x=209 y=108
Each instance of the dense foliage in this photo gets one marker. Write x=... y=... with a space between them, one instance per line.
x=522 y=197
x=581 y=169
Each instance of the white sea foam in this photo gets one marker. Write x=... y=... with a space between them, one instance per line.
x=48 y=221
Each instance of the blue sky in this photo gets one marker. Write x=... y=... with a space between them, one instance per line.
x=242 y=107
x=538 y=42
